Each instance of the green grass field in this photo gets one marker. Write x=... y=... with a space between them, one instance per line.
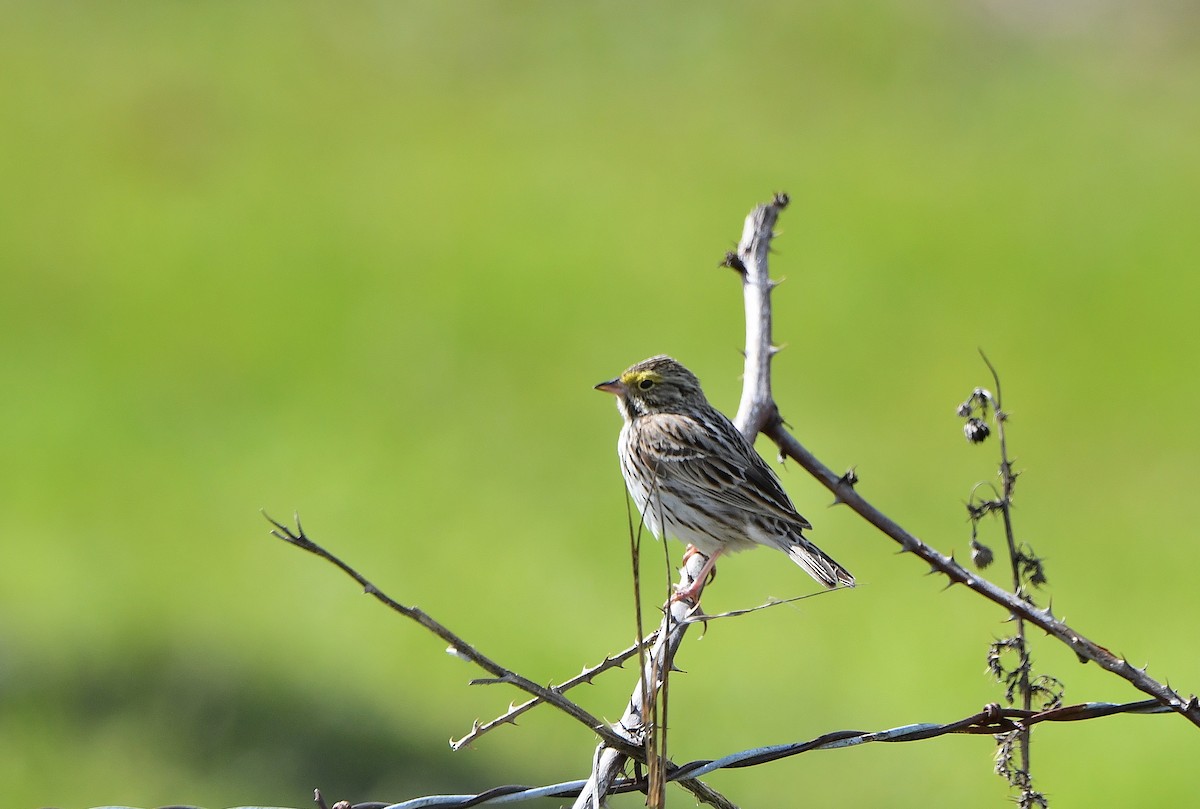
x=366 y=261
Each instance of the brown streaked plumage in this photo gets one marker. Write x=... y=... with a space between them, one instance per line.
x=691 y=471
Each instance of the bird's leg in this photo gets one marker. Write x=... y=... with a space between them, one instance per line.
x=690 y=551
x=692 y=591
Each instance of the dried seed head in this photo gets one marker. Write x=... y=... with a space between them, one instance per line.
x=981 y=554
x=976 y=430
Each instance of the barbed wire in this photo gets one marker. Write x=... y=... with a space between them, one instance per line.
x=993 y=719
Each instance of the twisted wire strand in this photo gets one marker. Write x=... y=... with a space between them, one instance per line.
x=991 y=720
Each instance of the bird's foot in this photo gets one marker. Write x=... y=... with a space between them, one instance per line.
x=707 y=573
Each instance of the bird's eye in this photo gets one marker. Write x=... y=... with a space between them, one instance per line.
x=646 y=384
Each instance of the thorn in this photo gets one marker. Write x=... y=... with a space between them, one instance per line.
x=773 y=350
x=733 y=262
x=954 y=567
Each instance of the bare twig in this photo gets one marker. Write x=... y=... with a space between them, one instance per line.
x=459 y=646
x=584 y=677
x=762 y=415
x=1044 y=619
x=705 y=618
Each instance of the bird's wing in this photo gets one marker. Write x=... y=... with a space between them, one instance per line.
x=713 y=459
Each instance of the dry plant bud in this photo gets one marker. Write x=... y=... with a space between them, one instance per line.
x=976 y=430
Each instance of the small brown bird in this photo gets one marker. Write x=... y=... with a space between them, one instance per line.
x=692 y=472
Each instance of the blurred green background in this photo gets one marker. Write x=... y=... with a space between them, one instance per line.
x=366 y=261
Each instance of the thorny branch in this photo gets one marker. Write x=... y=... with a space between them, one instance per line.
x=763 y=416
x=458 y=646
x=509 y=717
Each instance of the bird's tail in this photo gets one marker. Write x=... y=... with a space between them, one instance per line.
x=818 y=564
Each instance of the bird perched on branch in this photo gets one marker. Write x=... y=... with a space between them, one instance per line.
x=691 y=471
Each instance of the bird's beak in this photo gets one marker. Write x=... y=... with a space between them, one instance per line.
x=612 y=386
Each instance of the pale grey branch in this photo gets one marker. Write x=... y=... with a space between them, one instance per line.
x=609 y=762
x=757 y=407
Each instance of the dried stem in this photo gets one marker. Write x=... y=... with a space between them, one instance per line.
x=1008 y=480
